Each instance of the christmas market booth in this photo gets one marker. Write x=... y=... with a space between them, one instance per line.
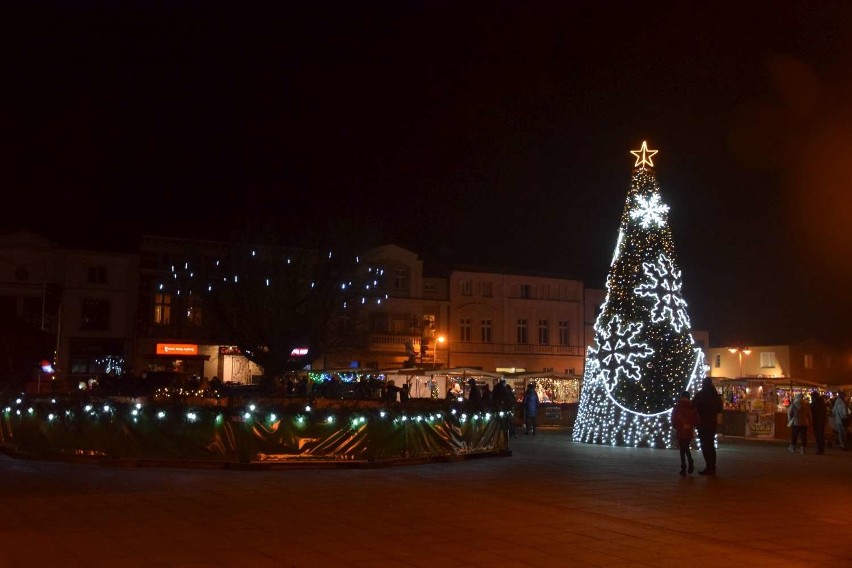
x=558 y=395
x=455 y=383
x=332 y=423
x=756 y=407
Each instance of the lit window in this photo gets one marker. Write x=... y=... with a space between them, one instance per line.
x=193 y=311
x=162 y=309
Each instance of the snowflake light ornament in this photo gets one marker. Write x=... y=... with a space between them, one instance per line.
x=619 y=350
x=664 y=286
x=649 y=211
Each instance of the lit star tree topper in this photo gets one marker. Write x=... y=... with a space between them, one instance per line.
x=644 y=354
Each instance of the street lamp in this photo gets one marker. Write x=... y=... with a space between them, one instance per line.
x=439 y=339
x=740 y=353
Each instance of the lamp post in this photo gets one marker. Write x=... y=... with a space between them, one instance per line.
x=439 y=339
x=740 y=352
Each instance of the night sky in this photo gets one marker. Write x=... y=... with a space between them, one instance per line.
x=493 y=134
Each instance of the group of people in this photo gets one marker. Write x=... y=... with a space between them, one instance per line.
x=802 y=414
x=501 y=397
x=701 y=413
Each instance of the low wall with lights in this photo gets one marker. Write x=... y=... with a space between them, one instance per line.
x=245 y=431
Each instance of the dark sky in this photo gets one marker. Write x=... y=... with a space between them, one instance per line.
x=479 y=133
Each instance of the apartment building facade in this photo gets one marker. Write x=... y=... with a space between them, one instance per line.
x=112 y=314
x=84 y=301
x=810 y=361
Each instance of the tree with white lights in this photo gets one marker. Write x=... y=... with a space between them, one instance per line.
x=644 y=354
x=282 y=307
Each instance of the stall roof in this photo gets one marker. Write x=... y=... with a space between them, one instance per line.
x=466 y=372
x=779 y=381
x=542 y=375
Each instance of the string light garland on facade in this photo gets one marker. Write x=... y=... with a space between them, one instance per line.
x=644 y=354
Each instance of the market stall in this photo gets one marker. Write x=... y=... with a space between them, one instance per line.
x=558 y=395
x=436 y=383
x=757 y=407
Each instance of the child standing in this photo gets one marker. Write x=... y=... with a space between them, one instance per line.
x=684 y=420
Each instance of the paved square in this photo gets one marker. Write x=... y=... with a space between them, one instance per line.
x=552 y=503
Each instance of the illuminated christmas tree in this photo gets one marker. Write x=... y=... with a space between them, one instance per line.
x=644 y=354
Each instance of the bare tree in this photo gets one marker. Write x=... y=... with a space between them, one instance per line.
x=283 y=307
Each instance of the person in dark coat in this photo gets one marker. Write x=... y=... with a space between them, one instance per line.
x=504 y=399
x=530 y=409
x=708 y=403
x=474 y=395
x=684 y=420
x=819 y=413
x=392 y=392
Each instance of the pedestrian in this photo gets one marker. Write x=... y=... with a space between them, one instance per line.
x=799 y=417
x=819 y=412
x=474 y=395
x=392 y=391
x=504 y=400
x=708 y=403
x=486 y=396
x=684 y=420
x=840 y=418
x=510 y=404
x=530 y=409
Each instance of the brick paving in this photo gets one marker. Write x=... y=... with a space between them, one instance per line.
x=551 y=503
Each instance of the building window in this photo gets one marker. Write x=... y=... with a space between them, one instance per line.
x=522 y=331
x=97 y=275
x=486 y=331
x=809 y=361
x=563 y=333
x=717 y=360
x=95 y=315
x=430 y=324
x=543 y=332
x=488 y=289
x=399 y=324
x=378 y=322
x=767 y=360
x=526 y=291
x=400 y=280
x=33 y=309
x=429 y=287
x=162 y=309
x=464 y=330
x=466 y=288
x=193 y=311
